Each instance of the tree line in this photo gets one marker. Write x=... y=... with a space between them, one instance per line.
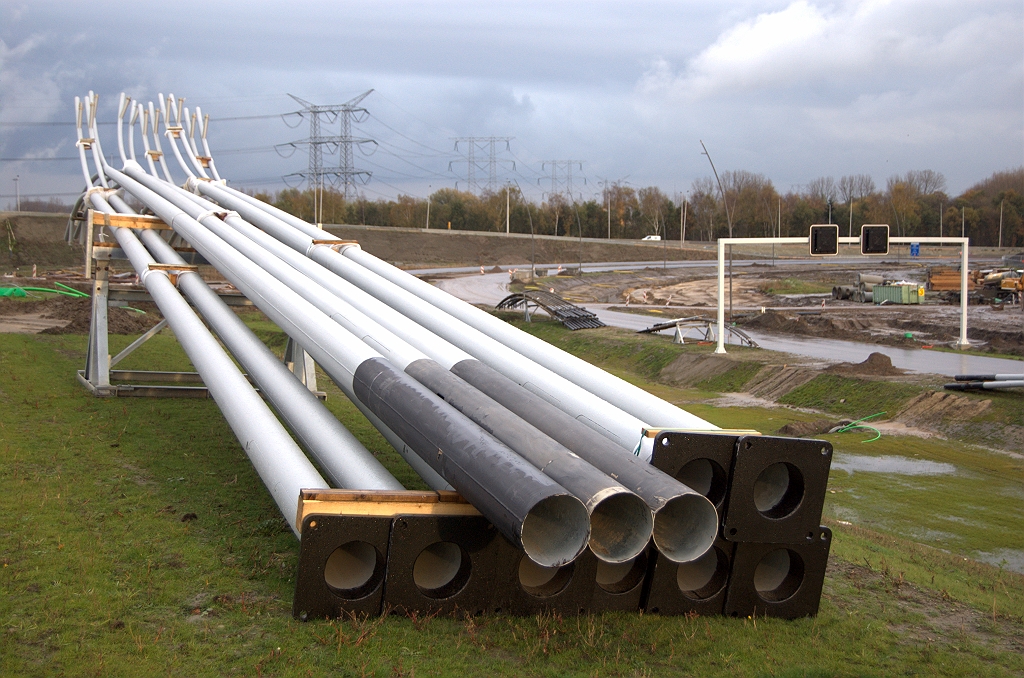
x=738 y=204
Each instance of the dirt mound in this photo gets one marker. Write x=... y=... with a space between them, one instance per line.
x=771 y=321
x=774 y=381
x=78 y=311
x=876 y=365
x=806 y=429
x=416 y=248
x=12 y=307
x=1010 y=342
x=689 y=369
x=809 y=325
x=932 y=407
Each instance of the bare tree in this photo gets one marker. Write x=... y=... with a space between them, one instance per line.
x=865 y=186
x=927 y=181
x=822 y=189
x=703 y=205
x=848 y=188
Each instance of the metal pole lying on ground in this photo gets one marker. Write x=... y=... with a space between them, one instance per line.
x=621 y=523
x=621 y=394
x=684 y=525
x=534 y=512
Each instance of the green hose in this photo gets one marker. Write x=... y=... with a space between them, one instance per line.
x=853 y=425
x=75 y=292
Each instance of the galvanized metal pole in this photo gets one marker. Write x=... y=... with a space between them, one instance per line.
x=533 y=511
x=621 y=522
x=684 y=525
x=622 y=395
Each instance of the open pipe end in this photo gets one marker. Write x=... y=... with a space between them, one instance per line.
x=620 y=527
x=556 y=530
x=685 y=527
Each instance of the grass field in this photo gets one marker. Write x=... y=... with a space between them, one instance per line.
x=135 y=539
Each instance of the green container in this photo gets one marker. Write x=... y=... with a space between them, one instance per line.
x=897 y=294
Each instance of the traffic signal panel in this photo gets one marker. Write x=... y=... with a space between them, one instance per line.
x=824 y=240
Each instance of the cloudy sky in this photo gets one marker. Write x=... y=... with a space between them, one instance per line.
x=791 y=89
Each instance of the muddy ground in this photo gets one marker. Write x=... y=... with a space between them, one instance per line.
x=71 y=315
x=675 y=293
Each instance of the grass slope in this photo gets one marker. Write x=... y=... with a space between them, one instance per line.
x=135 y=539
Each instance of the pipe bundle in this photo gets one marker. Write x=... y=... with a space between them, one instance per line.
x=549 y=449
x=985 y=382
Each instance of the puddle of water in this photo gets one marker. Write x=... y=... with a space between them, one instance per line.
x=925 y=535
x=1008 y=559
x=892 y=464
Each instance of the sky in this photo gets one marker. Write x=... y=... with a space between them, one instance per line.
x=616 y=91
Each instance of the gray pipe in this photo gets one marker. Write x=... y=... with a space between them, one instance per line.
x=621 y=524
x=443 y=439
x=983 y=385
x=610 y=388
x=685 y=522
x=618 y=392
x=277 y=459
x=622 y=428
x=344 y=459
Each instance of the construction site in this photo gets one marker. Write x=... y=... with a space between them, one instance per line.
x=353 y=446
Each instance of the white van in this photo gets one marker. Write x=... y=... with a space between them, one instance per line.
x=651 y=237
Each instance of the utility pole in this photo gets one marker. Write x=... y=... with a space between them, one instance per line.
x=17 y=192
x=682 y=226
x=1001 y=223
x=508 y=213
x=486 y=145
x=346 y=173
x=963 y=222
x=728 y=216
x=428 y=207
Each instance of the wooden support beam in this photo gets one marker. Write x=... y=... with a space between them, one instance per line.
x=379 y=503
x=130 y=221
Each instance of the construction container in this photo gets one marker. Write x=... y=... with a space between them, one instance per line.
x=898 y=294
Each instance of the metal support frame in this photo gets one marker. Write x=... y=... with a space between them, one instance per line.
x=302 y=366
x=964 y=243
x=97 y=357
x=98 y=375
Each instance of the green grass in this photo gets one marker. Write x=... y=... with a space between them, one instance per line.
x=851 y=397
x=641 y=354
x=978 y=352
x=99 y=575
x=733 y=380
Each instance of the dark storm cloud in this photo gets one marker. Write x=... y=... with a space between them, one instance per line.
x=791 y=89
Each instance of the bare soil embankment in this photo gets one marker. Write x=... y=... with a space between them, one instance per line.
x=71 y=315
x=413 y=248
x=28 y=238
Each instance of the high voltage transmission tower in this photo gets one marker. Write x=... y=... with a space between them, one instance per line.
x=317 y=176
x=563 y=185
x=486 y=146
